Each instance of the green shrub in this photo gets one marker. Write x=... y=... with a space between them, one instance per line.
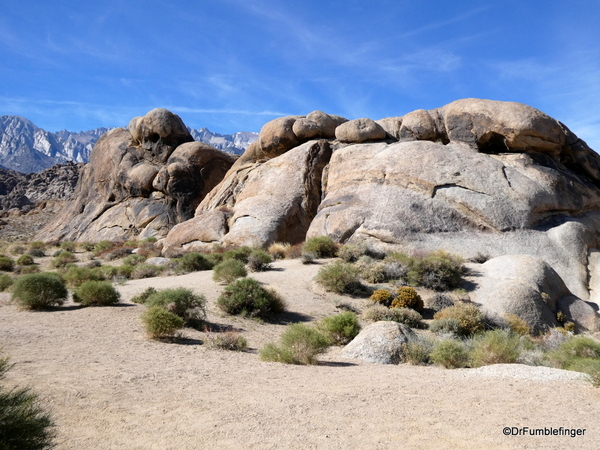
x=37 y=245
x=143 y=297
x=321 y=247
x=299 y=344
x=6 y=264
x=339 y=277
x=6 y=282
x=25 y=260
x=62 y=259
x=341 y=328
x=469 y=317
x=87 y=246
x=161 y=323
x=418 y=350
x=239 y=254
x=229 y=270
x=193 y=262
x=124 y=271
x=228 y=340
x=407 y=297
x=96 y=293
x=214 y=258
x=182 y=302
x=495 y=347
x=246 y=297
x=102 y=246
x=76 y=275
x=259 y=261
x=351 y=252
x=39 y=290
x=68 y=246
x=407 y=316
x=450 y=353
x=446 y=326
x=145 y=271
x=36 y=253
x=24 y=423
x=440 y=271
x=579 y=353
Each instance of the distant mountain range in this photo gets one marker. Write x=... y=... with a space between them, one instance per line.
x=26 y=148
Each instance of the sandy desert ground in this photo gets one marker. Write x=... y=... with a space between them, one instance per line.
x=109 y=387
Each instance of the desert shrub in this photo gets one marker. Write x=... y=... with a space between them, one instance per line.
x=143 y=297
x=161 y=323
x=394 y=270
x=574 y=350
x=229 y=270
x=299 y=344
x=37 y=245
x=68 y=246
x=96 y=293
x=25 y=260
x=102 y=246
x=407 y=297
x=469 y=317
x=36 y=252
x=7 y=264
x=228 y=340
x=62 y=259
x=181 y=301
x=87 y=246
x=373 y=272
x=17 y=249
x=117 y=253
x=6 y=282
x=339 y=277
x=240 y=254
x=517 y=325
x=193 y=262
x=145 y=271
x=93 y=264
x=382 y=297
x=23 y=270
x=450 y=353
x=279 y=250
x=320 y=246
x=123 y=271
x=259 y=261
x=495 y=347
x=76 y=275
x=246 y=297
x=439 y=301
x=341 y=328
x=295 y=251
x=24 y=423
x=407 y=316
x=417 y=351
x=214 y=258
x=351 y=252
x=133 y=260
x=39 y=290
x=440 y=271
x=445 y=326
x=307 y=258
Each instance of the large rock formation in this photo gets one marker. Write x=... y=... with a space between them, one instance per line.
x=140 y=182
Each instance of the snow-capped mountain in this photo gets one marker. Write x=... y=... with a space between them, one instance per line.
x=26 y=148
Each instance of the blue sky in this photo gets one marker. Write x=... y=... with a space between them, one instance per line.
x=233 y=65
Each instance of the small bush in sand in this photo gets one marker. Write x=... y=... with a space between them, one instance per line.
x=321 y=247
x=450 y=353
x=24 y=423
x=339 y=329
x=68 y=246
x=246 y=297
x=439 y=301
x=6 y=281
x=146 y=271
x=299 y=344
x=62 y=259
x=307 y=258
x=39 y=290
x=279 y=250
x=76 y=275
x=37 y=245
x=407 y=316
x=226 y=340
x=417 y=351
x=351 y=252
x=7 y=264
x=37 y=253
x=240 y=254
x=193 y=262
x=339 y=277
x=87 y=246
x=160 y=323
x=259 y=261
x=495 y=347
x=143 y=297
x=407 y=297
x=96 y=293
x=133 y=260
x=469 y=317
x=181 y=301
x=229 y=270
x=25 y=260
x=440 y=271
x=579 y=353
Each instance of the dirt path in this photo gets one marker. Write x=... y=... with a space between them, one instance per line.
x=109 y=387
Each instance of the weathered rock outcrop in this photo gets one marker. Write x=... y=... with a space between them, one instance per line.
x=140 y=183
x=379 y=343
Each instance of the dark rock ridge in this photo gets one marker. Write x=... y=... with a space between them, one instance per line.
x=140 y=182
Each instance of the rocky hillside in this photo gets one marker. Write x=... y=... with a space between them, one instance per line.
x=26 y=148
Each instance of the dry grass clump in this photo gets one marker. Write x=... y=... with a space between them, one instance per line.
x=279 y=250
x=495 y=347
x=226 y=340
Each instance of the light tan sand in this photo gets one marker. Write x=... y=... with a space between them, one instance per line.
x=109 y=387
